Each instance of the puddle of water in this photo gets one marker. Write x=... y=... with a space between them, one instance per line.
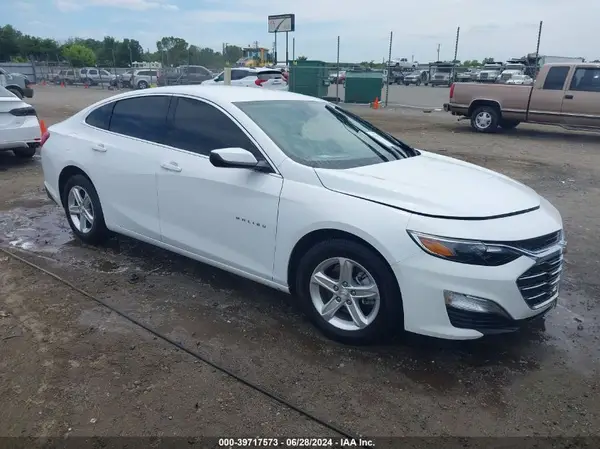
x=41 y=229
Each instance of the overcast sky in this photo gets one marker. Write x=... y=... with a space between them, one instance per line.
x=501 y=29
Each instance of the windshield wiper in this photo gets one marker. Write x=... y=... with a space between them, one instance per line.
x=346 y=121
x=382 y=133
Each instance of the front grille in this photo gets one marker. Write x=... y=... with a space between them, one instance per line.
x=540 y=283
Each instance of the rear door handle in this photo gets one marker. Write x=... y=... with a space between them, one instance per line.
x=99 y=147
x=171 y=166
x=568 y=97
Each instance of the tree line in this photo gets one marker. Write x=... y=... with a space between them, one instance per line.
x=109 y=52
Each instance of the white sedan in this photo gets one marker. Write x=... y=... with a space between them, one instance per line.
x=370 y=234
x=264 y=78
x=19 y=125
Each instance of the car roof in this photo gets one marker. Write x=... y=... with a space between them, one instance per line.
x=220 y=94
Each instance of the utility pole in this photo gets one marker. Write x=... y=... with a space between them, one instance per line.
x=438 y=51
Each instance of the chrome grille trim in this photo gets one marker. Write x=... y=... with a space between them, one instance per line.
x=539 y=284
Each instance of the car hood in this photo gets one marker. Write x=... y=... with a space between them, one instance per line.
x=434 y=185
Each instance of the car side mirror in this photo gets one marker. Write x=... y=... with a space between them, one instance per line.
x=233 y=158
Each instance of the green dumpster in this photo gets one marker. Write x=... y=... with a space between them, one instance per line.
x=363 y=87
x=309 y=78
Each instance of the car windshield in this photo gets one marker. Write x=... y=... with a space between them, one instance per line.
x=322 y=135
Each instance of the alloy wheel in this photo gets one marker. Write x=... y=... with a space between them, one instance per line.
x=345 y=294
x=483 y=120
x=81 y=209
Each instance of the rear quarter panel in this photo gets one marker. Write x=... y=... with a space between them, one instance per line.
x=512 y=99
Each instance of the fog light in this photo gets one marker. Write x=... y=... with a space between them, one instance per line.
x=473 y=303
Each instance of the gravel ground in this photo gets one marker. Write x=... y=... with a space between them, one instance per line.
x=70 y=366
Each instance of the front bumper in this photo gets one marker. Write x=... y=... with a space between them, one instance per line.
x=423 y=279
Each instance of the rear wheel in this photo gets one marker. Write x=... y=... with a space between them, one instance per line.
x=142 y=85
x=349 y=292
x=24 y=153
x=509 y=124
x=485 y=119
x=83 y=209
x=15 y=91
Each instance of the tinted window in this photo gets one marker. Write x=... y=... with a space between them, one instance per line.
x=201 y=128
x=100 y=118
x=203 y=71
x=556 y=77
x=93 y=72
x=586 y=79
x=142 y=117
x=239 y=74
x=143 y=73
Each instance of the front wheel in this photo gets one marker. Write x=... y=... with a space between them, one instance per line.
x=349 y=292
x=83 y=209
x=485 y=119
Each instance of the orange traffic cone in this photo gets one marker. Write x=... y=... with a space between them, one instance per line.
x=43 y=127
x=376 y=103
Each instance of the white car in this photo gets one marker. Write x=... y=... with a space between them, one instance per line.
x=271 y=79
x=19 y=125
x=291 y=191
x=520 y=79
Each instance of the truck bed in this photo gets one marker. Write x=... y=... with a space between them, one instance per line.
x=512 y=99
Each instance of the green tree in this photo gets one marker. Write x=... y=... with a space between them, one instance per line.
x=488 y=60
x=301 y=58
x=9 y=42
x=79 y=55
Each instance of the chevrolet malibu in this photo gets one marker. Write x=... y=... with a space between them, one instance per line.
x=370 y=234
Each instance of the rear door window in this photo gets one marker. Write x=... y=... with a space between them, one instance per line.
x=239 y=74
x=100 y=117
x=141 y=117
x=556 y=77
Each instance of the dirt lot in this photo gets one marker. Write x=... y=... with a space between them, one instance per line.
x=70 y=366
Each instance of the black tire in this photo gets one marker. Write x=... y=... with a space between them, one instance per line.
x=24 y=153
x=418 y=83
x=492 y=123
x=509 y=124
x=390 y=315
x=15 y=91
x=99 y=232
x=142 y=85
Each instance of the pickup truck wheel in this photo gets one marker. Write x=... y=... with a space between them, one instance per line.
x=509 y=124
x=485 y=119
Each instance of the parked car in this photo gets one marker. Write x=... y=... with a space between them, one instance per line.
x=19 y=125
x=250 y=77
x=123 y=79
x=143 y=78
x=334 y=78
x=564 y=94
x=370 y=234
x=393 y=77
x=185 y=74
x=520 y=79
x=417 y=78
x=67 y=76
x=93 y=76
x=17 y=83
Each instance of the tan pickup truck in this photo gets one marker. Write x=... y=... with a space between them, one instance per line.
x=566 y=95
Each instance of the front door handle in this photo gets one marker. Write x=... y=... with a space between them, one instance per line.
x=171 y=166
x=568 y=97
x=99 y=147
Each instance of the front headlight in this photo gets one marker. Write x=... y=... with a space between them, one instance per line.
x=471 y=252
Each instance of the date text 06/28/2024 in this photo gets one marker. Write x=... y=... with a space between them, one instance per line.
x=294 y=442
